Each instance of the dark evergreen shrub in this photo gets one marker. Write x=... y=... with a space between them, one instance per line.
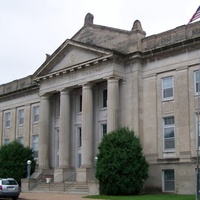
x=121 y=168
x=13 y=160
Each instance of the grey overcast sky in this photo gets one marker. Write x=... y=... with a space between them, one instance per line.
x=32 y=28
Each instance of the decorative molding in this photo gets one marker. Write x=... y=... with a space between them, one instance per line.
x=74 y=68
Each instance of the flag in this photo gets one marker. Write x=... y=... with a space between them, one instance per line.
x=195 y=16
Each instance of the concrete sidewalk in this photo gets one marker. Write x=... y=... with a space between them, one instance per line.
x=49 y=196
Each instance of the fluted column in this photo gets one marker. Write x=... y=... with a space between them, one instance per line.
x=64 y=130
x=113 y=104
x=43 y=156
x=87 y=125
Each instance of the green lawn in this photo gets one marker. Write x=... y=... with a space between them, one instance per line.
x=146 y=197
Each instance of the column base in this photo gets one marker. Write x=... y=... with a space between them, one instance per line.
x=93 y=188
x=85 y=175
x=64 y=174
x=43 y=168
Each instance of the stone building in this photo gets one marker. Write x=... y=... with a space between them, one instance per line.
x=104 y=78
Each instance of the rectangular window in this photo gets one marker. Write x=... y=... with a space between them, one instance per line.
x=197 y=130
x=58 y=106
x=9 y=182
x=196 y=80
x=168 y=180
x=79 y=137
x=21 y=117
x=6 y=141
x=169 y=136
x=104 y=129
x=35 y=146
x=167 y=88
x=20 y=140
x=105 y=98
x=7 y=119
x=35 y=114
x=80 y=103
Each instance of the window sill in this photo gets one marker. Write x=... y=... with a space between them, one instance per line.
x=103 y=109
x=20 y=125
x=169 y=151
x=8 y=127
x=196 y=94
x=168 y=159
x=168 y=99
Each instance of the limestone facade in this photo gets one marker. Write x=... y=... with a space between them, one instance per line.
x=104 y=78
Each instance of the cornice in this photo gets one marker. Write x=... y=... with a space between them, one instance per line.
x=19 y=93
x=73 y=68
x=172 y=49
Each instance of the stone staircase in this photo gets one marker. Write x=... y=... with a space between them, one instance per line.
x=69 y=187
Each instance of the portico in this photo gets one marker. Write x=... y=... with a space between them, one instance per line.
x=87 y=119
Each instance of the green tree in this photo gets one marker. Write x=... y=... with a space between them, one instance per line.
x=121 y=167
x=13 y=160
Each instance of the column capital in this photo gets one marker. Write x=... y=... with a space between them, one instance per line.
x=65 y=90
x=113 y=78
x=87 y=85
x=27 y=105
x=44 y=95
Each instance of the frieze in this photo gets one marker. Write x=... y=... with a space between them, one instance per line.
x=72 y=77
x=92 y=71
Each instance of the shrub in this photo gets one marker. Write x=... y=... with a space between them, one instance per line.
x=121 y=167
x=13 y=159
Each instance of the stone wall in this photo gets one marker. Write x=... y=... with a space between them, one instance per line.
x=16 y=85
x=171 y=37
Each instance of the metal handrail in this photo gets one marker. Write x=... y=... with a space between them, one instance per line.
x=64 y=184
x=50 y=184
x=68 y=179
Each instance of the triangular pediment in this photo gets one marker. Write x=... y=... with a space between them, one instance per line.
x=69 y=54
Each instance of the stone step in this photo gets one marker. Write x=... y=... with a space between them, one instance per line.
x=71 y=188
